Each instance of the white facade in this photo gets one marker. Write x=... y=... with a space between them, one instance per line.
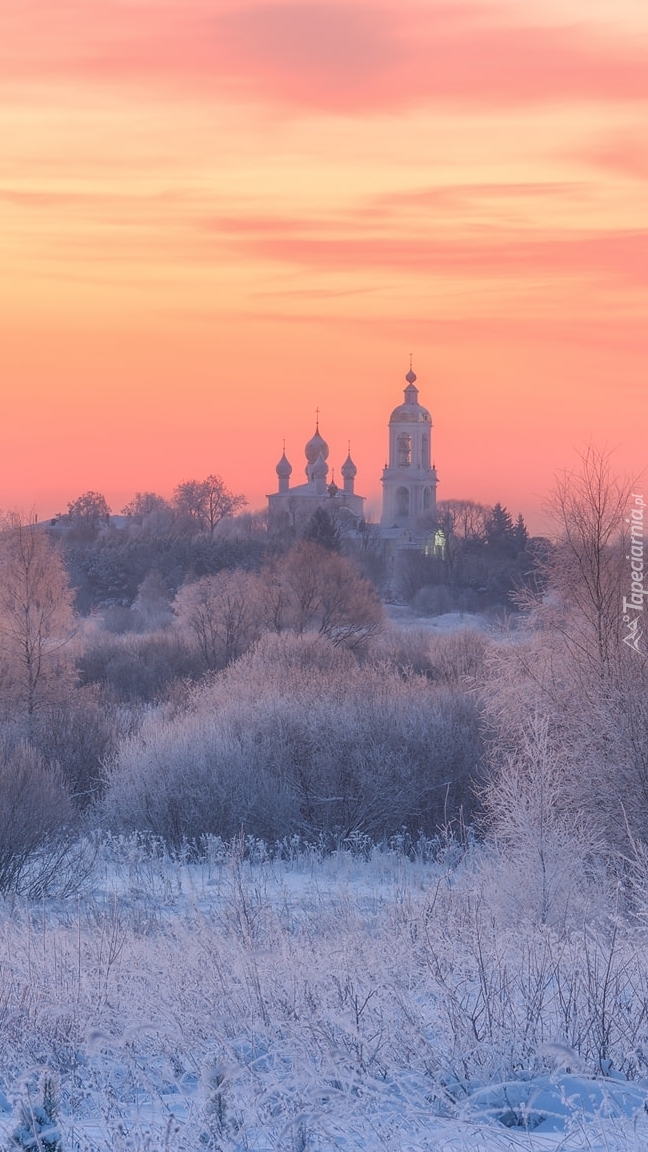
x=409 y=479
x=291 y=508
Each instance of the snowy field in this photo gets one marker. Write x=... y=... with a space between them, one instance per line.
x=364 y=999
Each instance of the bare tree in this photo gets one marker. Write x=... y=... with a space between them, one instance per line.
x=222 y=612
x=36 y=617
x=204 y=503
x=35 y=810
x=149 y=512
x=576 y=670
x=586 y=570
x=313 y=589
x=463 y=518
x=145 y=503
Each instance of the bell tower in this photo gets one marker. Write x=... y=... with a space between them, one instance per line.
x=409 y=479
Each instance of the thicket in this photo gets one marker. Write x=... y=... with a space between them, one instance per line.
x=299 y=737
x=110 y=570
x=277 y=700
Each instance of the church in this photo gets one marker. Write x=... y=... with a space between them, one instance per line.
x=409 y=480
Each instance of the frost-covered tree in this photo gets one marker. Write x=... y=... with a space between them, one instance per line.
x=542 y=838
x=34 y=809
x=36 y=618
x=312 y=589
x=204 y=503
x=222 y=614
x=149 y=512
x=575 y=668
x=88 y=513
x=586 y=569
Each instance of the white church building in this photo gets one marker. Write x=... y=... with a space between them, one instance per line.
x=409 y=480
x=292 y=507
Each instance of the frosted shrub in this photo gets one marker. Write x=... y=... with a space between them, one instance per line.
x=35 y=812
x=456 y=659
x=543 y=844
x=38 y=1128
x=138 y=667
x=460 y=657
x=297 y=737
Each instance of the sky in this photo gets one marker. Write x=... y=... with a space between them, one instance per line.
x=217 y=216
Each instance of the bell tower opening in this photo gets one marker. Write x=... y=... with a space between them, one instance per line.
x=402 y=503
x=404 y=450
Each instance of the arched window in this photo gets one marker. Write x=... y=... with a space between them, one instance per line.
x=427 y=499
x=425 y=451
x=402 y=502
x=404 y=444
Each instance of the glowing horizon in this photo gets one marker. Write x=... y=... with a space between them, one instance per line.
x=219 y=216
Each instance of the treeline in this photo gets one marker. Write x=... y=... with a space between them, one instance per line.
x=174 y=540
x=476 y=556
x=472 y=557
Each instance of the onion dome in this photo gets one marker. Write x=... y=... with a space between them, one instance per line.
x=333 y=489
x=349 y=470
x=411 y=377
x=284 y=468
x=319 y=468
x=316 y=446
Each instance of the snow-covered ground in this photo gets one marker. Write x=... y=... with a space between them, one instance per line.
x=405 y=617
x=358 y=1000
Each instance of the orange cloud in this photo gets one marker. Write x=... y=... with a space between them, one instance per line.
x=625 y=153
x=617 y=254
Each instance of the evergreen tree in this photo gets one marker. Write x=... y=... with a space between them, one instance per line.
x=499 y=528
x=520 y=533
x=323 y=530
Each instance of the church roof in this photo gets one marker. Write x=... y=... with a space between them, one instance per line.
x=284 y=467
x=410 y=411
x=315 y=447
x=349 y=470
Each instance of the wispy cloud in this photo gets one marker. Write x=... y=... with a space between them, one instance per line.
x=326 y=55
x=526 y=253
x=625 y=154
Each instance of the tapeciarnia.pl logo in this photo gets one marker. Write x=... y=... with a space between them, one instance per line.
x=634 y=603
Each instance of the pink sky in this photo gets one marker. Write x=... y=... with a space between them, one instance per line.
x=217 y=217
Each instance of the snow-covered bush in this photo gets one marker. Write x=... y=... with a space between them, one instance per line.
x=35 y=813
x=545 y=860
x=38 y=1129
x=297 y=736
x=457 y=659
